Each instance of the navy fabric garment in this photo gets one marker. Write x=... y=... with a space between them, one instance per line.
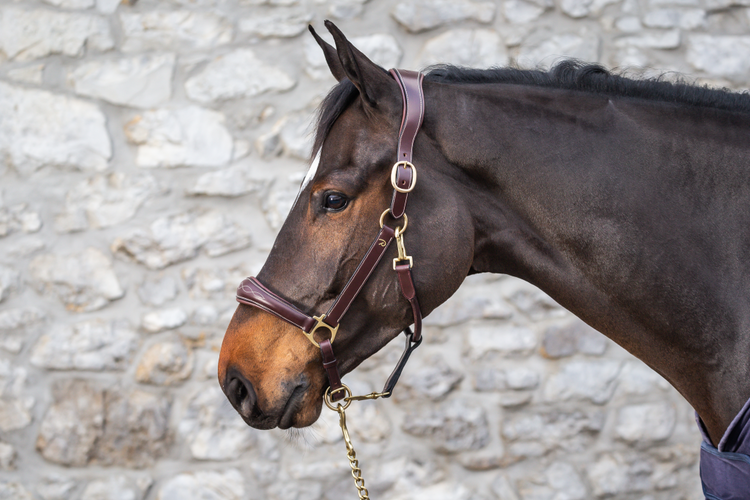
x=725 y=471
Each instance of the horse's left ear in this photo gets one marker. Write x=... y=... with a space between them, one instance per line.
x=375 y=85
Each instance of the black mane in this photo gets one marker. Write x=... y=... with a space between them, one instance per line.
x=568 y=75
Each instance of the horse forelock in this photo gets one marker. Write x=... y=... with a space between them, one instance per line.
x=337 y=100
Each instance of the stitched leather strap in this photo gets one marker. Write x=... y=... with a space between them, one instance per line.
x=358 y=279
x=253 y=293
x=332 y=369
x=410 y=83
x=411 y=344
x=410 y=293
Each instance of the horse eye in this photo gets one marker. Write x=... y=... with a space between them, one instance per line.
x=335 y=202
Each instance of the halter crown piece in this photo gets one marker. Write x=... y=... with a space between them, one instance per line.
x=403 y=179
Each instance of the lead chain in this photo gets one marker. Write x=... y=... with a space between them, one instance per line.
x=359 y=481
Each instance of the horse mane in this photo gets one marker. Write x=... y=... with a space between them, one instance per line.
x=567 y=75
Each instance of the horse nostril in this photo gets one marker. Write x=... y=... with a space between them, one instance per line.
x=241 y=394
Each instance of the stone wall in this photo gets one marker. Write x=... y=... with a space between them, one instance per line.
x=149 y=152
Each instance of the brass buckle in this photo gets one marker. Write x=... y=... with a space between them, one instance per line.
x=320 y=324
x=394 y=171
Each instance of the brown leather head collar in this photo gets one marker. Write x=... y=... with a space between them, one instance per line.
x=403 y=178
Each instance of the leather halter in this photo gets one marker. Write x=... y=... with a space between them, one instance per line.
x=403 y=178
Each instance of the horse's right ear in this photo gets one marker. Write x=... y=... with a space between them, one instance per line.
x=332 y=58
x=375 y=85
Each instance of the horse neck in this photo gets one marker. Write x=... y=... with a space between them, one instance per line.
x=612 y=207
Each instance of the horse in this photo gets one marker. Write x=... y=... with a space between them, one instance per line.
x=626 y=201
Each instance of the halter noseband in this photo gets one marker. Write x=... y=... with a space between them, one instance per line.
x=403 y=178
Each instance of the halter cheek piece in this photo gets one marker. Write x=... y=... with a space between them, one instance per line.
x=403 y=178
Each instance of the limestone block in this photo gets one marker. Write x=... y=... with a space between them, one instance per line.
x=452 y=426
x=295 y=490
x=653 y=40
x=381 y=48
x=277 y=23
x=167 y=362
x=117 y=488
x=214 y=283
x=405 y=473
x=212 y=428
x=447 y=490
x=463 y=307
x=205 y=315
x=18 y=218
x=556 y=47
x=236 y=74
x=72 y=4
x=614 y=474
x=179 y=30
x=433 y=380
x=237 y=180
x=637 y=379
x=166 y=319
x=157 y=291
x=142 y=81
x=719 y=55
x=15 y=325
x=28 y=74
x=521 y=12
x=214 y=485
x=34 y=33
x=105 y=200
x=373 y=423
x=73 y=423
x=422 y=15
x=279 y=200
x=564 y=482
x=628 y=24
x=485 y=339
x=474 y=48
x=39 y=128
x=180 y=237
x=56 y=487
x=107 y=6
x=7 y=457
x=646 y=423
x=535 y=304
x=10 y=281
x=575 y=337
x=84 y=281
x=346 y=9
x=674 y=18
x=137 y=431
x=593 y=381
x=86 y=345
x=536 y=433
x=186 y=136
x=576 y=8
x=14 y=491
x=502 y=488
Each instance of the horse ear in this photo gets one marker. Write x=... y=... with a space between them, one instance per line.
x=372 y=81
x=332 y=58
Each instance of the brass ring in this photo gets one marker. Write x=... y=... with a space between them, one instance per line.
x=398 y=230
x=413 y=180
x=347 y=398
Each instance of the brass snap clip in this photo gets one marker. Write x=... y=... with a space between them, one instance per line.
x=394 y=174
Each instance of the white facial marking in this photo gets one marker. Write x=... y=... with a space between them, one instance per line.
x=309 y=176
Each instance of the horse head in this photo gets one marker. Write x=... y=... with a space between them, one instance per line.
x=271 y=373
